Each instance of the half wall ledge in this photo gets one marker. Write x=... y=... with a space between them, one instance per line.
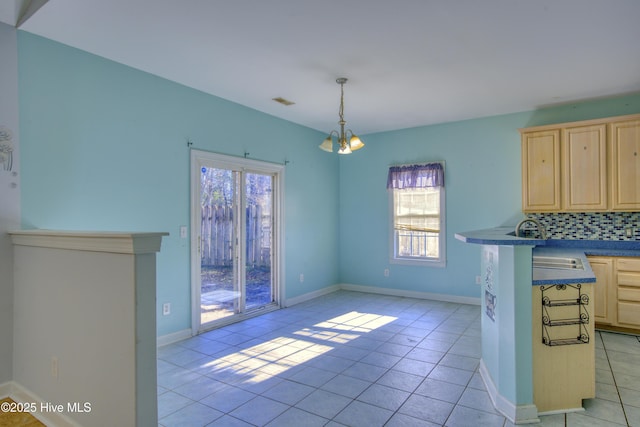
x=92 y=241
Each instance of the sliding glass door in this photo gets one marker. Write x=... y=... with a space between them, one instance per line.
x=235 y=217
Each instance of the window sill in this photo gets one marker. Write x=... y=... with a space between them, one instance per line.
x=437 y=263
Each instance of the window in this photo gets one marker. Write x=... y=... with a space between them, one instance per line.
x=417 y=211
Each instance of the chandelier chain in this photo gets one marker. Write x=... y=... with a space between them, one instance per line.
x=341 y=110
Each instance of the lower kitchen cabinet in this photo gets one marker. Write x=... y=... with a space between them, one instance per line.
x=604 y=291
x=563 y=346
x=617 y=292
x=628 y=281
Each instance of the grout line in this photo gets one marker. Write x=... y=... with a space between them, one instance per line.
x=449 y=316
x=615 y=383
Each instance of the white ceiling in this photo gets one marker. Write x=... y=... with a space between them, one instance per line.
x=409 y=62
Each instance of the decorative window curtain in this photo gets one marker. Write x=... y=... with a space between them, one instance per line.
x=416 y=176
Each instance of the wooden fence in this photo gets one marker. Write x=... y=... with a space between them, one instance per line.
x=216 y=248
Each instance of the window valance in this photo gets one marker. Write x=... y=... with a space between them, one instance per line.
x=416 y=176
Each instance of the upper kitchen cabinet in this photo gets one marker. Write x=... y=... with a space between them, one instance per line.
x=584 y=168
x=541 y=171
x=587 y=166
x=625 y=165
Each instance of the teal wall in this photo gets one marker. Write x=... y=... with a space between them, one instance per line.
x=104 y=148
x=483 y=188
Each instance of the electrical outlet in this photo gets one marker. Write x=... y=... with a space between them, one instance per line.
x=183 y=231
x=166 y=309
x=301 y=277
x=386 y=272
x=478 y=280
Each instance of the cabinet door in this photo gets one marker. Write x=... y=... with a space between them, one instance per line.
x=541 y=171
x=625 y=165
x=628 y=281
x=604 y=291
x=584 y=166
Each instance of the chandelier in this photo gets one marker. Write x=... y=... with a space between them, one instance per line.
x=354 y=142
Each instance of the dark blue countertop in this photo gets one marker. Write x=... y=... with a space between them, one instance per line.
x=497 y=236
x=555 y=247
x=504 y=236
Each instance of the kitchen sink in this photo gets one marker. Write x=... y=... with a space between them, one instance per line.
x=563 y=263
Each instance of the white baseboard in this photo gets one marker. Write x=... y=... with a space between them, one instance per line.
x=517 y=414
x=311 y=295
x=410 y=294
x=21 y=395
x=563 y=411
x=173 y=337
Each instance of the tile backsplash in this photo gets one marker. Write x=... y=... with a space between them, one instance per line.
x=590 y=226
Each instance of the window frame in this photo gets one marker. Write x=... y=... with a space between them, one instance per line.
x=423 y=261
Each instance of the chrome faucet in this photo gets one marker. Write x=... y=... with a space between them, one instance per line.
x=541 y=230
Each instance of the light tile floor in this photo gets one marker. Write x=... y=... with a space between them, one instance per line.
x=356 y=359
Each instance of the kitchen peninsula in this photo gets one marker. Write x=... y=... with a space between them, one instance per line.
x=538 y=320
